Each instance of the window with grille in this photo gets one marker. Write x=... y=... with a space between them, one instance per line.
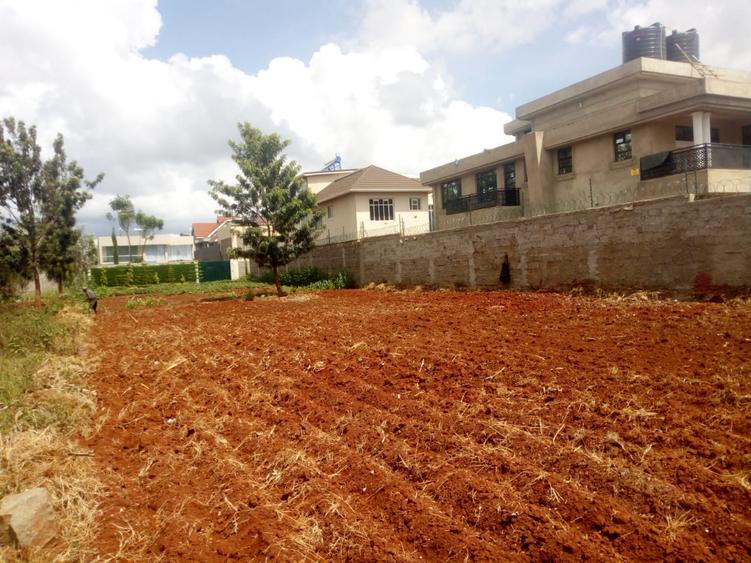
x=622 y=145
x=414 y=204
x=486 y=182
x=381 y=209
x=451 y=190
x=565 y=161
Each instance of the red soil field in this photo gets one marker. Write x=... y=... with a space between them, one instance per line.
x=371 y=425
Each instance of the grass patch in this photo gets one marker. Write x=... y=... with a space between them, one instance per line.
x=179 y=288
x=140 y=302
x=44 y=408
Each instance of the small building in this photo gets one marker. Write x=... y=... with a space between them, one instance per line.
x=647 y=128
x=160 y=249
x=212 y=240
x=373 y=201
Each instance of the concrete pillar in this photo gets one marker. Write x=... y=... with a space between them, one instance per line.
x=698 y=122
x=707 y=126
x=539 y=170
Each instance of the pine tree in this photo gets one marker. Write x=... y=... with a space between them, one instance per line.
x=271 y=203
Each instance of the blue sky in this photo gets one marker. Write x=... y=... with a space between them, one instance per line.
x=149 y=92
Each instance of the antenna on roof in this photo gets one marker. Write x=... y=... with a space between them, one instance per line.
x=335 y=164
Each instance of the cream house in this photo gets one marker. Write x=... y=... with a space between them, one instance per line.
x=373 y=202
x=647 y=128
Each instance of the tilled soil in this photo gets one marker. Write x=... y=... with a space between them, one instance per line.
x=424 y=425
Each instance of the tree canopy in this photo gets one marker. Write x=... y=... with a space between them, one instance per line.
x=269 y=201
x=38 y=203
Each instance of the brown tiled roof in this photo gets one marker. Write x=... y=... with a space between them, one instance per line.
x=371 y=179
x=202 y=230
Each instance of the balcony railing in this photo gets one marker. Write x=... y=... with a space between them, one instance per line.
x=698 y=157
x=490 y=198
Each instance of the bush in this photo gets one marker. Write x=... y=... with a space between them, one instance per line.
x=115 y=276
x=310 y=277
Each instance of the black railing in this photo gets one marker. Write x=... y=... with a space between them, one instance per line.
x=491 y=198
x=698 y=157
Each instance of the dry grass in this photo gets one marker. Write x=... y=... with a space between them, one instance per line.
x=41 y=449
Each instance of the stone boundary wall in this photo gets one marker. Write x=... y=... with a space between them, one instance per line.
x=668 y=243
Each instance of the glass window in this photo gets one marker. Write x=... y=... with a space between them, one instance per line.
x=684 y=133
x=509 y=176
x=415 y=204
x=381 y=209
x=565 y=161
x=451 y=190
x=330 y=211
x=486 y=182
x=622 y=145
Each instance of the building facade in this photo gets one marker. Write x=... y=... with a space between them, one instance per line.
x=160 y=249
x=373 y=201
x=648 y=128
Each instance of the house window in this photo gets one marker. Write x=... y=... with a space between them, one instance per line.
x=509 y=176
x=486 y=182
x=565 y=161
x=451 y=190
x=414 y=204
x=381 y=209
x=686 y=133
x=330 y=211
x=622 y=145
x=746 y=135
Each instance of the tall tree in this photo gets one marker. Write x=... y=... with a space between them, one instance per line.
x=271 y=202
x=149 y=225
x=64 y=182
x=33 y=195
x=124 y=214
x=115 y=252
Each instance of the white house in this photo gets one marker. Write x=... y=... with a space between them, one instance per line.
x=160 y=249
x=373 y=202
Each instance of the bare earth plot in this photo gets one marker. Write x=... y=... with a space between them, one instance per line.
x=401 y=426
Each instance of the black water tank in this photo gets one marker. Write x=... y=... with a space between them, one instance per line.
x=681 y=45
x=644 y=42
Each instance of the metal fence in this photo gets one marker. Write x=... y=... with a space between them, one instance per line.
x=698 y=157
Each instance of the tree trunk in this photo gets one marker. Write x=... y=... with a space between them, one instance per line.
x=60 y=286
x=279 y=291
x=37 y=287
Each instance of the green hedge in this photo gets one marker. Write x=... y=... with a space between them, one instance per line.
x=310 y=277
x=139 y=274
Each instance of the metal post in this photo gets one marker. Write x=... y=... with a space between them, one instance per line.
x=591 y=197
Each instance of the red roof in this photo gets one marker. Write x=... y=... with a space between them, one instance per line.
x=202 y=230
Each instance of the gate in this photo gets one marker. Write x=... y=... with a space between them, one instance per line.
x=214 y=271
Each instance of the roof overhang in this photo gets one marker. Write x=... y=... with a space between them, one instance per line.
x=488 y=157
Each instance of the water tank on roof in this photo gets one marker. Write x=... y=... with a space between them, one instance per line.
x=682 y=46
x=644 y=42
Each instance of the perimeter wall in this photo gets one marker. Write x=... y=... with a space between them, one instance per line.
x=670 y=243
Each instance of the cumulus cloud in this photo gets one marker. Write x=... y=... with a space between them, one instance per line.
x=159 y=129
x=722 y=26
x=465 y=26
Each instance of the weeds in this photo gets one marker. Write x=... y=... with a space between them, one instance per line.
x=142 y=302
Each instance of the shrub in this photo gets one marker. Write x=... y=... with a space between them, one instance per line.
x=144 y=274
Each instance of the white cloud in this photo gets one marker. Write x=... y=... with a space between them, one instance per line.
x=159 y=129
x=469 y=25
x=722 y=26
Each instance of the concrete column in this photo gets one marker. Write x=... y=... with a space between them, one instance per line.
x=707 y=126
x=698 y=122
